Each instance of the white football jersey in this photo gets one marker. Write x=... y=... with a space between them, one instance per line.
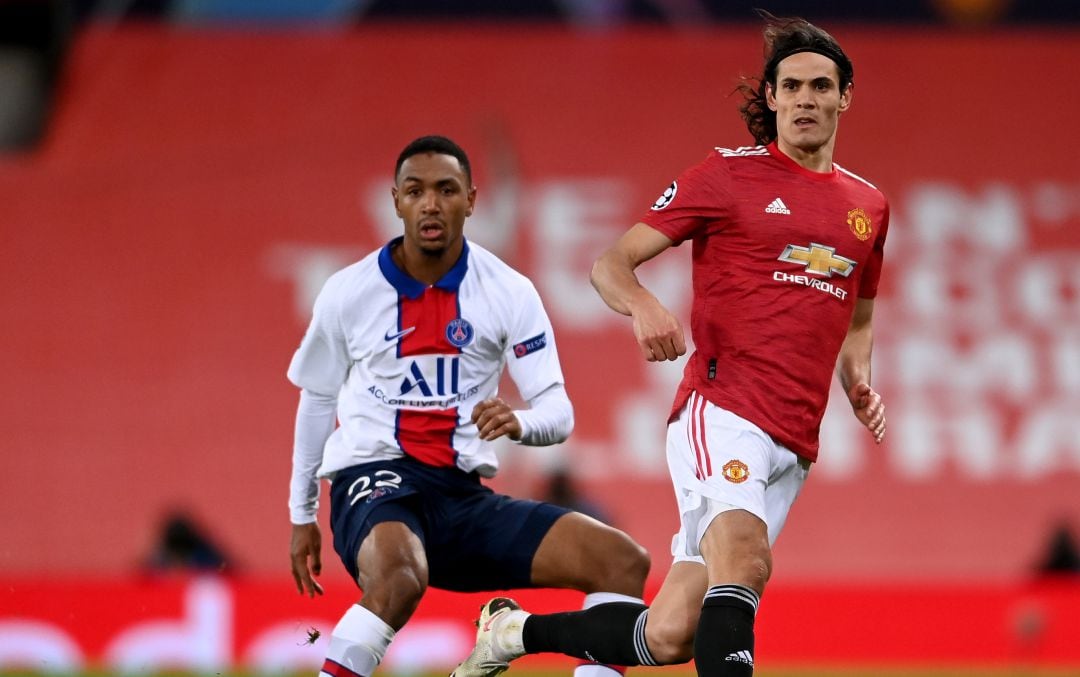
x=408 y=362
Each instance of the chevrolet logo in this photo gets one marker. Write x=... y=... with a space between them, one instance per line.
x=818 y=259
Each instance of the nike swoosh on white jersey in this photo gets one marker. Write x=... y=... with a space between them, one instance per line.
x=394 y=337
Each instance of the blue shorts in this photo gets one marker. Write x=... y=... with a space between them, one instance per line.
x=474 y=538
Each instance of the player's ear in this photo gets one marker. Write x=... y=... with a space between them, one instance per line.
x=845 y=97
x=770 y=97
x=394 y=192
x=472 y=201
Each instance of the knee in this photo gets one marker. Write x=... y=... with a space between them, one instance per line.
x=738 y=556
x=393 y=573
x=670 y=640
x=625 y=567
x=757 y=569
x=637 y=562
x=751 y=568
x=393 y=595
x=405 y=584
x=629 y=562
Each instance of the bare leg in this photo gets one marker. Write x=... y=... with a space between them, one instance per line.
x=739 y=562
x=673 y=615
x=584 y=554
x=393 y=575
x=393 y=572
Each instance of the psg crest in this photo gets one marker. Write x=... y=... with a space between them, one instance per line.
x=459 y=332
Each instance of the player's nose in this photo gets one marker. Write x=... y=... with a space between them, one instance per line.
x=430 y=202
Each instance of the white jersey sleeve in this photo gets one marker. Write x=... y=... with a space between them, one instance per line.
x=319 y=367
x=549 y=418
x=321 y=363
x=315 y=419
x=533 y=362
x=531 y=356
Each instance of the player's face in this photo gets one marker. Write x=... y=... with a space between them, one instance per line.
x=433 y=198
x=808 y=101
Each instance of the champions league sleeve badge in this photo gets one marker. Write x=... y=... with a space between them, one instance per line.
x=666 y=197
x=530 y=345
x=459 y=332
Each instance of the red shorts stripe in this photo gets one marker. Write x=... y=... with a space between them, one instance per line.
x=704 y=438
x=691 y=437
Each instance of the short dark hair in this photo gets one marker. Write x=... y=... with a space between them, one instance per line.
x=784 y=37
x=435 y=144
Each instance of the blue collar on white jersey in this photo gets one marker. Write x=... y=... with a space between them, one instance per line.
x=412 y=288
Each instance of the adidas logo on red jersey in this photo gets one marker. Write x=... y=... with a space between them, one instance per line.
x=777 y=206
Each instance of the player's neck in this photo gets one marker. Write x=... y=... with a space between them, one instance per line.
x=426 y=267
x=815 y=159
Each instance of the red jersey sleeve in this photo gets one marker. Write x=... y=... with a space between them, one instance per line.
x=868 y=284
x=698 y=197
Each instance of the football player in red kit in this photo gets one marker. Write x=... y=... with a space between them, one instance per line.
x=787 y=252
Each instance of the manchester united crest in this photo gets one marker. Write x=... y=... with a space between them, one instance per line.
x=859 y=222
x=736 y=472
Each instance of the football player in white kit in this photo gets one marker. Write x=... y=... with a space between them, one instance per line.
x=405 y=349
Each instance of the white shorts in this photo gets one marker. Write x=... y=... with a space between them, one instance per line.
x=720 y=462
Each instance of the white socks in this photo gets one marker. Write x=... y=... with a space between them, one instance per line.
x=507 y=642
x=357 y=644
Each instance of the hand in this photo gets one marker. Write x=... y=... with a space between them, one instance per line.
x=495 y=418
x=659 y=333
x=869 y=409
x=306 y=542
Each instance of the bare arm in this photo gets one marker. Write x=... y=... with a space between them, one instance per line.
x=659 y=333
x=853 y=370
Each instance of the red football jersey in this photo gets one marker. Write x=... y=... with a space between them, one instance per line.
x=780 y=254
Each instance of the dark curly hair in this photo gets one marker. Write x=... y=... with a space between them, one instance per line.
x=784 y=37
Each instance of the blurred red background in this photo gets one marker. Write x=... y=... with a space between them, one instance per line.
x=162 y=251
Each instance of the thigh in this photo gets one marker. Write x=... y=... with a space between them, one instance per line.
x=736 y=550
x=582 y=553
x=369 y=494
x=487 y=541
